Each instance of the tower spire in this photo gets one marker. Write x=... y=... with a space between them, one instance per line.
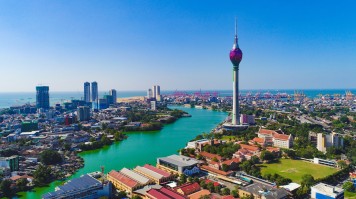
x=236 y=45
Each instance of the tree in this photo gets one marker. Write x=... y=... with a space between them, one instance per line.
x=217 y=189
x=267 y=156
x=203 y=184
x=255 y=159
x=348 y=186
x=210 y=186
x=22 y=184
x=226 y=191
x=48 y=157
x=307 y=180
x=235 y=193
x=5 y=187
x=182 y=178
x=342 y=164
x=225 y=167
x=42 y=175
x=248 y=197
x=136 y=197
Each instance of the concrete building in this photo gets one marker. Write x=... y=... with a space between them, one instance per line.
x=10 y=162
x=276 y=138
x=83 y=113
x=153 y=173
x=149 y=94
x=325 y=191
x=94 y=92
x=247 y=119
x=328 y=140
x=42 y=97
x=153 y=105
x=263 y=191
x=86 y=91
x=121 y=182
x=156 y=92
x=178 y=164
x=128 y=180
x=85 y=187
x=113 y=94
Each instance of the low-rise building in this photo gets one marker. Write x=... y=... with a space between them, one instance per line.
x=85 y=187
x=121 y=182
x=153 y=173
x=263 y=191
x=276 y=138
x=321 y=191
x=188 y=188
x=178 y=164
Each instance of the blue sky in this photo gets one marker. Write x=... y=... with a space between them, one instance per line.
x=182 y=44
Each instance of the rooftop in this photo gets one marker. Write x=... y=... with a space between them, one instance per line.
x=155 y=169
x=82 y=183
x=180 y=160
x=134 y=176
x=325 y=188
x=123 y=179
x=267 y=191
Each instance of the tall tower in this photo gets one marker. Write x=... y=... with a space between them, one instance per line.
x=86 y=91
x=42 y=97
x=94 y=92
x=112 y=92
x=235 y=58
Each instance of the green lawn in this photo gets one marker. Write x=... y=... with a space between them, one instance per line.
x=295 y=169
x=350 y=195
x=228 y=138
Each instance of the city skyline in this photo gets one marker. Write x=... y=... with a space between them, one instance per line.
x=179 y=45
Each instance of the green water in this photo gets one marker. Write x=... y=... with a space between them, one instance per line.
x=143 y=147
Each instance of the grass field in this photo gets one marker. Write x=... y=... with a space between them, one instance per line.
x=295 y=169
x=228 y=137
x=350 y=195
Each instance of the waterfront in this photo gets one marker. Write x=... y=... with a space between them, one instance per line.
x=20 y=98
x=144 y=147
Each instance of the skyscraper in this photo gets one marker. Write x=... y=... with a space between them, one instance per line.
x=156 y=92
x=87 y=92
x=94 y=92
x=42 y=97
x=112 y=92
x=235 y=58
x=149 y=94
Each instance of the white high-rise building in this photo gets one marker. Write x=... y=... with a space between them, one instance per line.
x=328 y=140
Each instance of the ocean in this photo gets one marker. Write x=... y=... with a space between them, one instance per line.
x=21 y=98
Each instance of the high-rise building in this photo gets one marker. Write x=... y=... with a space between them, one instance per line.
x=10 y=162
x=87 y=92
x=42 y=97
x=149 y=94
x=83 y=113
x=112 y=92
x=94 y=92
x=156 y=92
x=325 y=141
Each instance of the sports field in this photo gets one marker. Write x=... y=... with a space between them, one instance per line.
x=295 y=169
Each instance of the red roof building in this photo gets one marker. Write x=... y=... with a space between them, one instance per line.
x=188 y=188
x=276 y=138
x=164 y=193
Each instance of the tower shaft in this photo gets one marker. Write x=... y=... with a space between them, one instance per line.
x=235 y=103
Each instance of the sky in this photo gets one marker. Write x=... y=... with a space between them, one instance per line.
x=177 y=44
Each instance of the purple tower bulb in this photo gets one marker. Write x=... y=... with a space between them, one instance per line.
x=236 y=53
x=236 y=56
